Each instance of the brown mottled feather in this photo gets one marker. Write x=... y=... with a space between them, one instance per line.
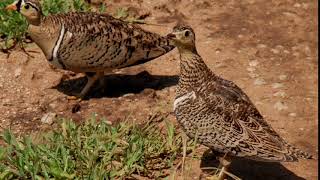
x=90 y=42
x=220 y=114
x=101 y=42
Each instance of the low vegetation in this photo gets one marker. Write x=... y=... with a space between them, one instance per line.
x=93 y=150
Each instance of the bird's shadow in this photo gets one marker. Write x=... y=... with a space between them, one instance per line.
x=117 y=85
x=249 y=169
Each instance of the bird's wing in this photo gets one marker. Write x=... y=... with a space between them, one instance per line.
x=244 y=131
x=109 y=38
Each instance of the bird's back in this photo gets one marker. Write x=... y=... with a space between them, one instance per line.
x=221 y=116
x=93 y=42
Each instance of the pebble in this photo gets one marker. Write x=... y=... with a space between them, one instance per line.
x=259 y=81
x=280 y=94
x=305 y=5
x=253 y=75
x=307 y=50
x=277 y=85
x=286 y=52
x=280 y=106
x=297 y=5
x=283 y=77
x=261 y=46
x=48 y=118
x=293 y=114
x=251 y=69
x=275 y=51
x=17 y=72
x=253 y=63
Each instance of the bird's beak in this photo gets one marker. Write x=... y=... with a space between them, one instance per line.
x=12 y=7
x=171 y=36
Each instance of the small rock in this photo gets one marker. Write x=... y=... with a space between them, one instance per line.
x=301 y=129
x=17 y=72
x=277 y=85
x=48 y=118
x=259 y=82
x=283 y=77
x=240 y=36
x=286 y=51
x=280 y=106
x=280 y=94
x=275 y=51
x=253 y=75
x=307 y=50
x=261 y=46
x=297 y=5
x=305 y=5
x=293 y=114
x=218 y=50
x=253 y=63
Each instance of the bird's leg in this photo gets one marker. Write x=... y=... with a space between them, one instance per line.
x=184 y=151
x=102 y=82
x=92 y=78
x=225 y=162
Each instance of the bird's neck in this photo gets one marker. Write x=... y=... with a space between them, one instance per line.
x=193 y=70
x=35 y=20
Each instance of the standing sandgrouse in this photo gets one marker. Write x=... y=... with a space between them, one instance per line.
x=219 y=113
x=89 y=42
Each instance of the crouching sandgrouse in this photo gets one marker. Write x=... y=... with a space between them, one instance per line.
x=219 y=113
x=89 y=42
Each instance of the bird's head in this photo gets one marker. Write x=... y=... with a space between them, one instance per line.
x=31 y=9
x=183 y=36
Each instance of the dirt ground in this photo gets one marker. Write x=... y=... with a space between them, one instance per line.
x=268 y=47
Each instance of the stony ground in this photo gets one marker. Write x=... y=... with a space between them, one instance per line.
x=269 y=48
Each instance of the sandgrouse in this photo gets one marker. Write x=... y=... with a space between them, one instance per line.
x=219 y=113
x=89 y=42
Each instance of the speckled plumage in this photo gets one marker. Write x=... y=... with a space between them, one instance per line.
x=91 y=42
x=219 y=113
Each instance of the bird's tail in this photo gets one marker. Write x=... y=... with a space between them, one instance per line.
x=296 y=153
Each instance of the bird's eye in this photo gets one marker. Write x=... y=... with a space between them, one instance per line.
x=26 y=6
x=187 y=34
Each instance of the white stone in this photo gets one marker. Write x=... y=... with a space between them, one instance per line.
x=275 y=51
x=253 y=63
x=293 y=114
x=259 y=81
x=48 y=118
x=286 y=51
x=283 y=77
x=253 y=75
x=277 y=85
x=17 y=72
x=280 y=106
x=261 y=46
x=280 y=94
x=297 y=5
x=251 y=69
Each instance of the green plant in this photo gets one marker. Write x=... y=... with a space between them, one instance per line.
x=93 y=150
x=12 y=26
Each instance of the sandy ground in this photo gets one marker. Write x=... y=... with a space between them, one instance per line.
x=269 y=48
